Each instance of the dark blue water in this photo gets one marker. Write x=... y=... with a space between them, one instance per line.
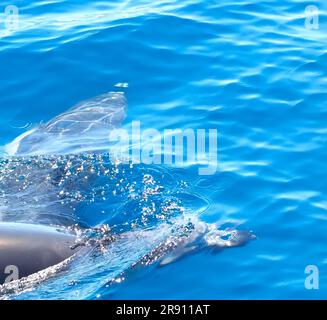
x=248 y=68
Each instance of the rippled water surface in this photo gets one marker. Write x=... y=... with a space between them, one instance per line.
x=248 y=68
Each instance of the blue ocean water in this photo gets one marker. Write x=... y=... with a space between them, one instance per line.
x=252 y=70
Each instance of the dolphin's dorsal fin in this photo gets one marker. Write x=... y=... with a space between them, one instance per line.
x=86 y=126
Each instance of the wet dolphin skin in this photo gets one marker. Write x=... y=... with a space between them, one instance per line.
x=26 y=249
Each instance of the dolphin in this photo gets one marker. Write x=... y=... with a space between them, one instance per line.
x=28 y=248
x=81 y=130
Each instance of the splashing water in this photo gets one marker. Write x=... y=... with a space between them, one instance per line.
x=141 y=220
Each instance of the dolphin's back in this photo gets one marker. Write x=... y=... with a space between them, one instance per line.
x=26 y=249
